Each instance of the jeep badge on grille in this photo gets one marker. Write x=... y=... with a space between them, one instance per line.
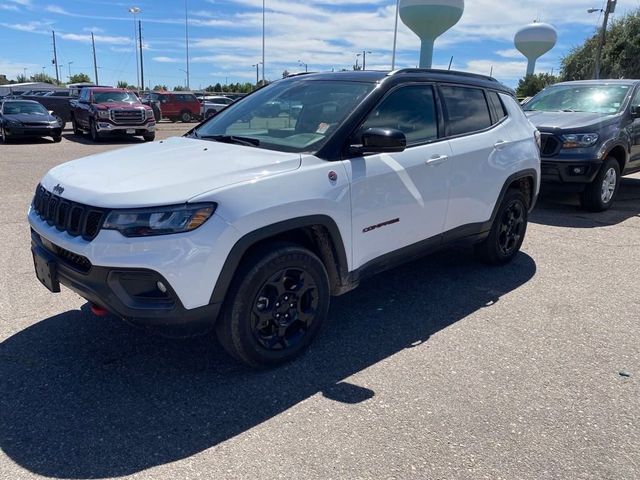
x=58 y=189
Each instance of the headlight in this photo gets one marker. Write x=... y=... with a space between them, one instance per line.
x=579 y=140
x=13 y=123
x=148 y=113
x=159 y=220
x=103 y=113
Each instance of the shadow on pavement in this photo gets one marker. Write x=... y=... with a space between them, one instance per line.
x=563 y=210
x=89 y=397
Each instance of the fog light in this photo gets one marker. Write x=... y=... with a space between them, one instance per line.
x=578 y=170
x=161 y=287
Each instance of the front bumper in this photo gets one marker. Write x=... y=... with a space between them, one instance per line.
x=569 y=173
x=108 y=127
x=141 y=296
x=188 y=264
x=41 y=131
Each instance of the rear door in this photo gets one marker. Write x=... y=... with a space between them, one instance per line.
x=400 y=199
x=478 y=131
x=634 y=159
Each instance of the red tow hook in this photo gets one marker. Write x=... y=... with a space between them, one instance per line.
x=98 y=311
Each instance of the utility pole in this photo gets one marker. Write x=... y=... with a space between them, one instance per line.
x=395 y=37
x=135 y=11
x=257 y=65
x=610 y=8
x=95 y=62
x=141 y=62
x=186 y=31
x=55 y=57
x=263 y=26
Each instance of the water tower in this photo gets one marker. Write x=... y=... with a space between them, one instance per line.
x=535 y=40
x=429 y=19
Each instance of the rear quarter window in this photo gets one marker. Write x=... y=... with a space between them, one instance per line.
x=467 y=109
x=497 y=106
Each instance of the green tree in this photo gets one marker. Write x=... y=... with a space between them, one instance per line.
x=122 y=84
x=79 y=78
x=531 y=84
x=158 y=88
x=217 y=87
x=43 y=77
x=619 y=56
x=179 y=88
x=22 y=78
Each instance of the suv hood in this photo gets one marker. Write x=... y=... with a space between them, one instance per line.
x=163 y=173
x=567 y=120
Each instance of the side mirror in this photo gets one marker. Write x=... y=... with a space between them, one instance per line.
x=381 y=140
x=635 y=111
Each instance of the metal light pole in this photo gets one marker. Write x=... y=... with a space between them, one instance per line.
x=183 y=71
x=395 y=37
x=135 y=11
x=69 y=67
x=610 y=8
x=257 y=65
x=263 y=24
x=306 y=67
x=186 y=34
x=364 y=58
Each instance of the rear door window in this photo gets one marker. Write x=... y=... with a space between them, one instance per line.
x=466 y=108
x=499 y=111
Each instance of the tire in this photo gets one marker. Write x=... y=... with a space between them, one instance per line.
x=3 y=136
x=93 y=131
x=282 y=281
x=507 y=231
x=600 y=194
x=76 y=129
x=149 y=137
x=210 y=113
x=57 y=139
x=60 y=121
x=185 y=116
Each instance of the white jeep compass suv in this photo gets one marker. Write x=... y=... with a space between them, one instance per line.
x=251 y=221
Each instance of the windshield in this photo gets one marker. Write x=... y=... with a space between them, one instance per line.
x=288 y=116
x=580 y=98
x=14 y=108
x=104 y=97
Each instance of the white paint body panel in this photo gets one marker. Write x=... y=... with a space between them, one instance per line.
x=255 y=188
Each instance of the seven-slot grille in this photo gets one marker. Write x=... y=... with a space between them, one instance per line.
x=71 y=217
x=127 y=116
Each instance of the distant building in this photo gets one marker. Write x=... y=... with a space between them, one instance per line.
x=3 y=79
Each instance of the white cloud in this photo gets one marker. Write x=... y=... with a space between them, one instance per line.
x=167 y=60
x=4 y=6
x=12 y=69
x=93 y=29
x=509 y=53
x=105 y=39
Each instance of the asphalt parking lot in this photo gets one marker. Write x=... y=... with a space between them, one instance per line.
x=441 y=369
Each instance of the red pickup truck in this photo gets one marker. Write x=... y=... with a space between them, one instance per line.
x=104 y=111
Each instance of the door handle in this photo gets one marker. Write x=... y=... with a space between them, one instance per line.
x=436 y=159
x=499 y=144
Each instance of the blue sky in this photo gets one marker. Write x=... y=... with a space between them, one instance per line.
x=225 y=37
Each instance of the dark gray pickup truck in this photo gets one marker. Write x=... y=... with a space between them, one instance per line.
x=590 y=137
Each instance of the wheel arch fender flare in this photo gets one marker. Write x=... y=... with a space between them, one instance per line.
x=338 y=272
x=513 y=179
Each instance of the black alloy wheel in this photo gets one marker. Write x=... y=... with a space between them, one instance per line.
x=185 y=116
x=284 y=309
x=507 y=230
x=3 y=135
x=76 y=128
x=511 y=227
x=276 y=304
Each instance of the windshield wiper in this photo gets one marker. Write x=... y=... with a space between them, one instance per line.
x=248 y=141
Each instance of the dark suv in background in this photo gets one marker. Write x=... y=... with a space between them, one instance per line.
x=590 y=137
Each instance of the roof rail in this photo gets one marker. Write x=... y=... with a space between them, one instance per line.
x=433 y=70
x=298 y=74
